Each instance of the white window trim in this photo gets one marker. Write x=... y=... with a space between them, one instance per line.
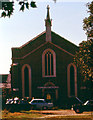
x=23 y=86
x=43 y=63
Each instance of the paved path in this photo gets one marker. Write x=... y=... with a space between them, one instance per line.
x=53 y=113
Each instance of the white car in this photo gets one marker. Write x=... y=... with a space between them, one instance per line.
x=40 y=104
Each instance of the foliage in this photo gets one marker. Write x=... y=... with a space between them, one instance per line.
x=88 y=21
x=8 y=7
x=84 y=57
x=6 y=93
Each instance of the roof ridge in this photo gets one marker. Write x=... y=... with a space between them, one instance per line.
x=32 y=39
x=65 y=39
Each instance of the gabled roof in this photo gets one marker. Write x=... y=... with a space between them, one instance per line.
x=64 y=43
x=39 y=40
x=29 y=46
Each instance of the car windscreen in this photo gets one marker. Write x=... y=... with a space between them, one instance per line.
x=86 y=102
x=34 y=101
x=41 y=101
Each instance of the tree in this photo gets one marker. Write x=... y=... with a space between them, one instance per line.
x=8 y=7
x=88 y=22
x=84 y=57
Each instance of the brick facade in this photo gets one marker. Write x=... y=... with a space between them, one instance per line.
x=45 y=69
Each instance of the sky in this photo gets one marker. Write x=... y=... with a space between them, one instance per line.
x=67 y=21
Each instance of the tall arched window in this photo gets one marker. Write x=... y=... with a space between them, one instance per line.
x=49 y=63
x=26 y=81
x=72 y=80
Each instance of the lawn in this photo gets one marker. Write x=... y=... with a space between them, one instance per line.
x=38 y=115
x=22 y=114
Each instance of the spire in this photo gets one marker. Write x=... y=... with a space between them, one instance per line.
x=48 y=25
x=48 y=16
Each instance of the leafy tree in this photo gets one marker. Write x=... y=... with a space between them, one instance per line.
x=84 y=57
x=6 y=93
x=88 y=22
x=8 y=7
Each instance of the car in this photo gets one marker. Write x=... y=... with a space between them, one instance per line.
x=9 y=101
x=73 y=100
x=40 y=104
x=15 y=105
x=87 y=106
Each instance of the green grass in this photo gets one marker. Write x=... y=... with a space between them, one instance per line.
x=35 y=114
x=22 y=114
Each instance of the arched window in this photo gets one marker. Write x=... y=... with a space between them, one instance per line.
x=72 y=80
x=26 y=81
x=49 y=63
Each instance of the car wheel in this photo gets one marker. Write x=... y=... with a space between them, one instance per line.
x=78 y=110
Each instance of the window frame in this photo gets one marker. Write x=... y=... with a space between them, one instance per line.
x=68 y=79
x=43 y=63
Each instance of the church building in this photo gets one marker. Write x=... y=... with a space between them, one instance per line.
x=43 y=67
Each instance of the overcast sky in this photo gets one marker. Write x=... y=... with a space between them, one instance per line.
x=67 y=21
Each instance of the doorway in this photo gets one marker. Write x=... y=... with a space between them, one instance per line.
x=50 y=95
x=50 y=92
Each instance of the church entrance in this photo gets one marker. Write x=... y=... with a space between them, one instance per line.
x=50 y=95
x=50 y=92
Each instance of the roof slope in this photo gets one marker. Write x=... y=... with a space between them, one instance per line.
x=29 y=46
x=63 y=43
x=41 y=39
